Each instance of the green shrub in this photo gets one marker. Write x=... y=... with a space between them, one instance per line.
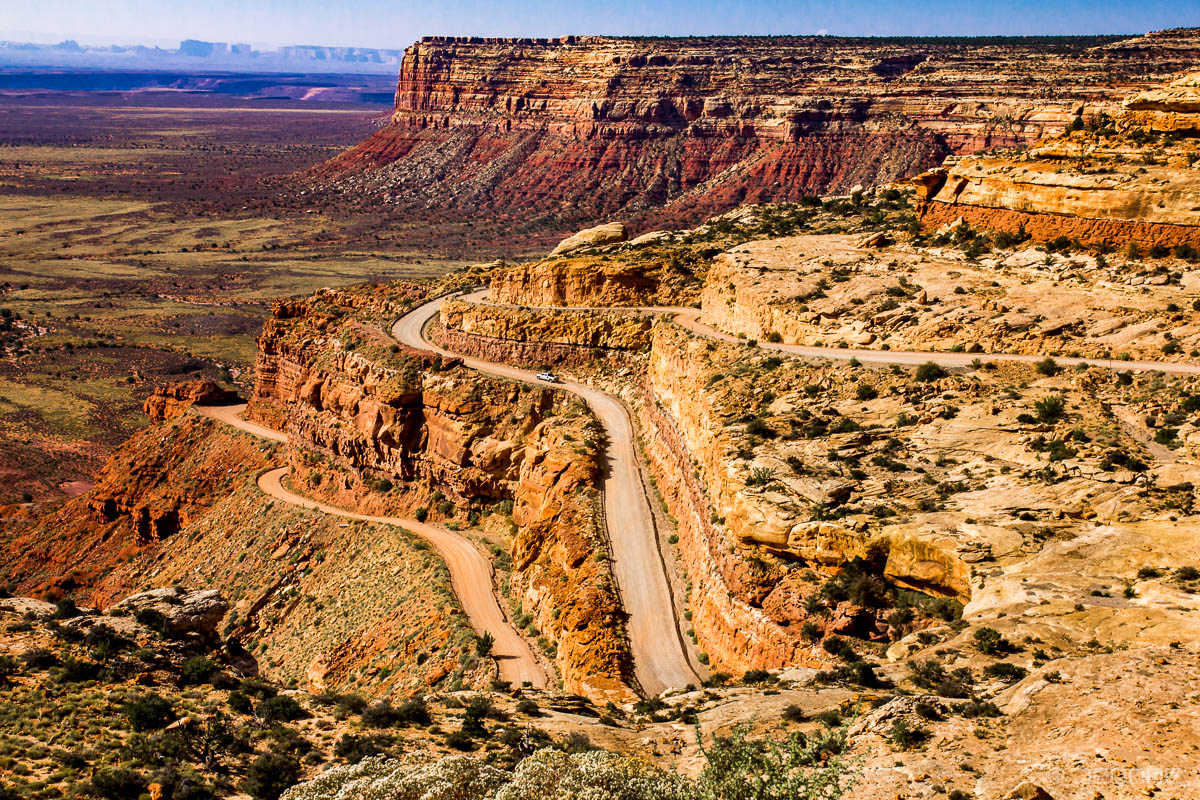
x=1050 y=409
x=76 y=670
x=353 y=748
x=930 y=371
x=9 y=667
x=149 y=712
x=240 y=703
x=65 y=609
x=118 y=784
x=281 y=708
x=104 y=640
x=799 y=767
x=926 y=674
x=197 y=670
x=1166 y=436
x=756 y=427
x=757 y=676
x=460 y=740
x=380 y=714
x=269 y=775
x=976 y=708
x=988 y=641
x=1060 y=244
x=1002 y=670
x=907 y=736
x=760 y=476
x=413 y=711
x=39 y=658
x=182 y=783
x=1047 y=366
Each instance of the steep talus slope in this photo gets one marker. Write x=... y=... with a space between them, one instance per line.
x=313 y=599
x=588 y=126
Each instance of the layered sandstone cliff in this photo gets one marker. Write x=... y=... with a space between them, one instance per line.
x=752 y=513
x=169 y=402
x=588 y=126
x=1111 y=182
x=518 y=335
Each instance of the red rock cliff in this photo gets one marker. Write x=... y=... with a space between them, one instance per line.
x=591 y=126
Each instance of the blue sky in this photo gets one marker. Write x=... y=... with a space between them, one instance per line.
x=396 y=23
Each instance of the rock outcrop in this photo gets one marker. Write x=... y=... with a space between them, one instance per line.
x=608 y=233
x=833 y=290
x=172 y=400
x=540 y=336
x=590 y=127
x=183 y=611
x=1111 y=182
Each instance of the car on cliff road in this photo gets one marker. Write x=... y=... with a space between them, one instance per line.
x=548 y=377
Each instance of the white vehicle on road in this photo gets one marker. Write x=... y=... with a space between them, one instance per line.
x=548 y=377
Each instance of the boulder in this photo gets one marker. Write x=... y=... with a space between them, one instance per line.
x=877 y=239
x=837 y=491
x=651 y=237
x=1028 y=791
x=608 y=233
x=185 y=611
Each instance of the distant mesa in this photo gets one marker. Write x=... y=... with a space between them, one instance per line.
x=667 y=132
x=306 y=58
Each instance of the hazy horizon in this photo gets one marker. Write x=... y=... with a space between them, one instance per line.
x=267 y=24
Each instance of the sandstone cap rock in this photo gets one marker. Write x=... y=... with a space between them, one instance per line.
x=608 y=233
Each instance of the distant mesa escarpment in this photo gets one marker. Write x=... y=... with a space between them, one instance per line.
x=579 y=128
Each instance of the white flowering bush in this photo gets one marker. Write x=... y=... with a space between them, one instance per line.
x=595 y=775
x=414 y=777
x=738 y=768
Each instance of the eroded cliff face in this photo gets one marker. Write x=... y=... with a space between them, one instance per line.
x=589 y=280
x=748 y=539
x=1131 y=178
x=382 y=428
x=588 y=331
x=589 y=126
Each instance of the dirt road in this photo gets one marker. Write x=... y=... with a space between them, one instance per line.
x=470 y=570
x=660 y=659
x=689 y=319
